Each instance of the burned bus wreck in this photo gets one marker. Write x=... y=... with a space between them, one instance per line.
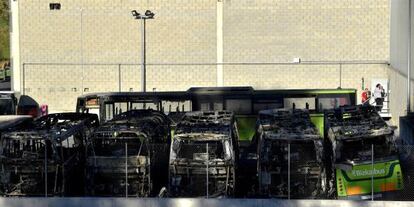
x=203 y=155
x=128 y=155
x=364 y=153
x=290 y=150
x=45 y=156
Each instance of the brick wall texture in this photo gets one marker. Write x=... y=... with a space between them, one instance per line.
x=182 y=45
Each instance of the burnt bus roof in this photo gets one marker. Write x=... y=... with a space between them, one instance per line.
x=206 y=125
x=356 y=122
x=58 y=126
x=252 y=91
x=134 y=116
x=128 y=96
x=234 y=92
x=214 y=91
x=144 y=121
x=209 y=90
x=202 y=95
x=288 y=125
x=293 y=93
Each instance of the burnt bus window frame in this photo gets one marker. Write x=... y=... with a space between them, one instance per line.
x=217 y=96
x=383 y=149
x=14 y=148
x=308 y=103
x=192 y=147
x=263 y=104
x=350 y=100
x=277 y=97
x=180 y=105
x=212 y=102
x=209 y=100
x=114 y=107
x=102 y=146
x=249 y=108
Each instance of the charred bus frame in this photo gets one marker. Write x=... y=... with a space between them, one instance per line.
x=203 y=155
x=365 y=158
x=128 y=155
x=45 y=157
x=244 y=102
x=290 y=150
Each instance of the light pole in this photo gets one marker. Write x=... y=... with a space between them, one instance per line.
x=409 y=59
x=148 y=15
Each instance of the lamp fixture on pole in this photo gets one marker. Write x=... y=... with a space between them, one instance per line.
x=147 y=15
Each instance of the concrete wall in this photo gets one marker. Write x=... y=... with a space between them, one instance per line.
x=399 y=35
x=15 y=45
x=101 y=32
x=398 y=97
x=318 y=30
x=187 y=38
x=399 y=58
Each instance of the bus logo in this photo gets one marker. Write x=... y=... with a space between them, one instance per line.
x=360 y=173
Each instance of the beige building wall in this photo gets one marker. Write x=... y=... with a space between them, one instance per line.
x=265 y=31
x=317 y=30
x=293 y=76
x=399 y=48
x=182 y=45
x=398 y=97
x=104 y=37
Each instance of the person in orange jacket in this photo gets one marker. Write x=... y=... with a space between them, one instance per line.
x=365 y=96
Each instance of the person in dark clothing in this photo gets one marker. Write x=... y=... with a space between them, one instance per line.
x=379 y=95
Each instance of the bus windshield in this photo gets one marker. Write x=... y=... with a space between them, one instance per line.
x=327 y=101
x=361 y=149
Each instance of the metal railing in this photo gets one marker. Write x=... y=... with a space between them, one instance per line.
x=369 y=177
x=119 y=67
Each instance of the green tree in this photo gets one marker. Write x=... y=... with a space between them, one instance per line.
x=4 y=30
x=4 y=7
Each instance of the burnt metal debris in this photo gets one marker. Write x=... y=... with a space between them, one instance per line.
x=290 y=149
x=47 y=150
x=69 y=154
x=128 y=155
x=352 y=130
x=203 y=155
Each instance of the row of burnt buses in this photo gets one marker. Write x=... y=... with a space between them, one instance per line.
x=205 y=142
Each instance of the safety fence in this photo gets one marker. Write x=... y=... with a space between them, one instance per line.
x=209 y=169
x=59 y=84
